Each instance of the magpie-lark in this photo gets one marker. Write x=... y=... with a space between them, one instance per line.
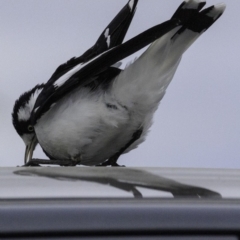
x=90 y=111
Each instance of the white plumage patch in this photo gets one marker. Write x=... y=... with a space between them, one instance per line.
x=24 y=112
x=108 y=41
x=106 y=34
x=131 y=3
x=60 y=82
x=68 y=75
x=108 y=37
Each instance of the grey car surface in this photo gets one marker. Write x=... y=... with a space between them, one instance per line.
x=119 y=203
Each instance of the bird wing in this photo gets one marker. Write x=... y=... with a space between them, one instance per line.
x=84 y=73
x=112 y=36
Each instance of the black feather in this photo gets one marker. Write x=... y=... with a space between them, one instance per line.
x=118 y=28
x=20 y=126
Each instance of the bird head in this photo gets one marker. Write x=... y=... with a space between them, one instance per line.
x=21 y=118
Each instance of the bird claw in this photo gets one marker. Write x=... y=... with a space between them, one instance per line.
x=109 y=163
x=39 y=162
x=31 y=164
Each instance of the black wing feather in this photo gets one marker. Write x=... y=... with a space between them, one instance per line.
x=118 y=28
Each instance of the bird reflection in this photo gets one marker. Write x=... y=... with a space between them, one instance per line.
x=126 y=179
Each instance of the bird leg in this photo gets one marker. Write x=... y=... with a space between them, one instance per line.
x=38 y=162
x=112 y=161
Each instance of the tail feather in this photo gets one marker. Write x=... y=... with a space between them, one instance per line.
x=215 y=11
x=147 y=79
x=199 y=22
x=188 y=9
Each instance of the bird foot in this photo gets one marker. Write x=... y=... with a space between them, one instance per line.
x=39 y=162
x=109 y=163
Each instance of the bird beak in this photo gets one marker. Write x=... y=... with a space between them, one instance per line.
x=29 y=150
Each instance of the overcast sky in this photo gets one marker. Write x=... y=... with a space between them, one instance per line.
x=198 y=121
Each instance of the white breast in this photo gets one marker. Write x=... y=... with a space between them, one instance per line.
x=81 y=124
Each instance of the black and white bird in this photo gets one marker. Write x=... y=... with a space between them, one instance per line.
x=90 y=111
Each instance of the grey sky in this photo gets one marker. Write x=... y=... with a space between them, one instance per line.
x=198 y=121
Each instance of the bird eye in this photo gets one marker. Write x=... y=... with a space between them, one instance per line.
x=30 y=128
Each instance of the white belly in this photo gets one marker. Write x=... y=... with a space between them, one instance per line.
x=85 y=128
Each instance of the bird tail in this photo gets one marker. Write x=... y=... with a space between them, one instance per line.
x=197 y=24
x=146 y=80
x=194 y=23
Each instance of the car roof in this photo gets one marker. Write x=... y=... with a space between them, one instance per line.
x=107 y=183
